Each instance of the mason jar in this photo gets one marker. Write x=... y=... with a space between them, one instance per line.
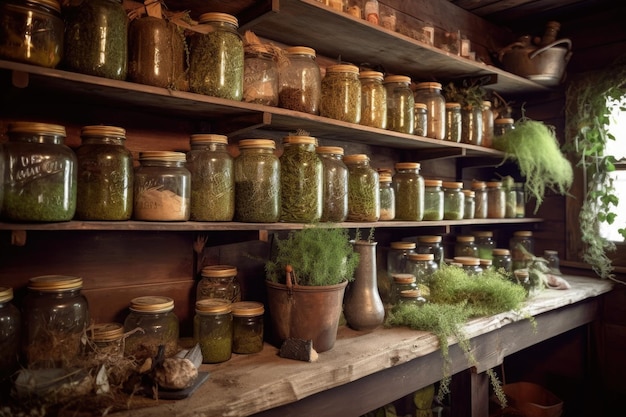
x=484 y=243
x=216 y=57
x=502 y=260
x=260 y=76
x=486 y=264
x=469 y=264
x=465 y=246
x=423 y=266
x=96 y=38
x=341 y=93
x=257 y=182
x=247 y=327
x=31 y=31
x=401 y=282
x=522 y=246
x=219 y=281
x=10 y=328
x=409 y=187
x=480 y=198
x=421 y=119
x=387 y=197
x=152 y=323
x=363 y=193
x=470 y=204
x=510 y=202
x=335 y=184
x=472 y=125
x=454 y=124
x=411 y=297
x=496 y=204
x=212 y=181
x=40 y=174
x=106 y=339
x=433 y=200
x=398 y=255
x=520 y=200
x=162 y=187
x=213 y=329
x=373 y=99
x=502 y=126
x=55 y=314
x=487 y=115
x=400 y=104
x=552 y=257
x=430 y=94
x=105 y=174
x=431 y=244
x=453 y=200
x=300 y=81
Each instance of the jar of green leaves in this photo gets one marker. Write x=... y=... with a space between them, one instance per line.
x=341 y=93
x=363 y=193
x=400 y=104
x=409 y=186
x=373 y=99
x=335 y=184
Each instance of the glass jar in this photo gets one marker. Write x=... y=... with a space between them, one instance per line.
x=469 y=264
x=371 y=11
x=247 y=327
x=400 y=104
x=472 y=125
x=213 y=184
x=411 y=297
x=529 y=281
x=401 y=282
x=502 y=126
x=341 y=93
x=496 y=204
x=470 y=204
x=423 y=266
x=10 y=328
x=485 y=244
x=96 y=38
x=213 y=329
x=155 y=316
x=260 y=76
x=431 y=244
x=335 y=184
x=454 y=124
x=421 y=119
x=105 y=175
x=409 y=187
x=486 y=264
x=219 y=281
x=522 y=246
x=55 y=314
x=552 y=257
x=162 y=187
x=216 y=57
x=398 y=255
x=40 y=174
x=373 y=99
x=31 y=32
x=106 y=339
x=257 y=182
x=433 y=200
x=520 y=200
x=387 y=197
x=480 y=198
x=300 y=81
x=453 y=200
x=301 y=187
x=487 y=116
x=502 y=260
x=430 y=94
x=363 y=193
x=465 y=246
x=510 y=202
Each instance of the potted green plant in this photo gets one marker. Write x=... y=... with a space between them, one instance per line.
x=306 y=277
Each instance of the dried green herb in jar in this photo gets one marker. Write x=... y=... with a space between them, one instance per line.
x=400 y=104
x=373 y=99
x=341 y=93
x=213 y=329
x=363 y=189
x=409 y=186
x=335 y=184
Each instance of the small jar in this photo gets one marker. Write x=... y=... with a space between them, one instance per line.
x=433 y=200
x=409 y=187
x=10 y=328
x=300 y=81
x=423 y=266
x=400 y=103
x=96 y=38
x=472 y=125
x=373 y=99
x=341 y=93
x=486 y=264
x=502 y=260
x=412 y=297
x=487 y=115
x=421 y=119
x=335 y=184
x=162 y=187
x=453 y=122
x=387 y=197
x=31 y=32
x=520 y=200
x=470 y=204
x=453 y=200
x=219 y=281
x=465 y=246
x=431 y=244
x=213 y=183
x=522 y=246
x=398 y=255
x=154 y=315
x=216 y=57
x=496 y=203
x=531 y=282
x=502 y=126
x=510 y=202
x=106 y=339
x=40 y=174
x=469 y=264
x=260 y=76
x=247 y=327
x=257 y=182
x=55 y=314
x=430 y=94
x=399 y=283
x=363 y=192
x=213 y=329
x=552 y=257
x=485 y=244
x=480 y=198
x=105 y=175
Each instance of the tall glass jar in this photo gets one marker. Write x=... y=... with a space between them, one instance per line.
x=301 y=187
x=213 y=329
x=423 y=266
x=373 y=99
x=431 y=244
x=502 y=260
x=96 y=38
x=335 y=184
x=472 y=125
x=260 y=76
x=341 y=93
x=401 y=282
x=480 y=198
x=520 y=200
x=470 y=204
x=453 y=200
x=10 y=328
x=159 y=325
x=502 y=126
x=409 y=186
x=31 y=32
x=522 y=246
x=454 y=124
x=387 y=197
x=257 y=182
x=40 y=174
x=156 y=53
x=487 y=115
x=219 y=281
x=300 y=81
x=421 y=119
x=213 y=183
x=400 y=104
x=216 y=57
x=433 y=200
x=105 y=175
x=430 y=94
x=363 y=192
x=510 y=201
x=496 y=204
x=55 y=314
x=247 y=327
x=465 y=246
x=162 y=187
x=485 y=244
x=397 y=256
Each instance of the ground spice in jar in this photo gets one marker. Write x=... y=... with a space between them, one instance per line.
x=300 y=81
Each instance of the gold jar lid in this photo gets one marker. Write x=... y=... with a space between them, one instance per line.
x=106 y=332
x=523 y=233
x=247 y=308
x=433 y=183
x=337 y=150
x=219 y=271
x=407 y=165
x=257 y=143
x=6 y=294
x=485 y=262
x=452 y=184
x=403 y=278
x=500 y=252
x=99 y=130
x=504 y=121
x=483 y=233
x=357 y=157
x=218 y=17
x=397 y=79
x=384 y=177
x=208 y=306
x=300 y=50
x=465 y=238
x=429 y=239
x=410 y=294
x=37 y=128
x=152 y=304
x=55 y=283
x=436 y=86
x=467 y=260
x=494 y=184
x=421 y=256
x=200 y=138
x=420 y=106
x=302 y=140
x=371 y=75
x=402 y=245
x=342 y=68
x=166 y=156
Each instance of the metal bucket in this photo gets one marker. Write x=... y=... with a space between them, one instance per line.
x=545 y=65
